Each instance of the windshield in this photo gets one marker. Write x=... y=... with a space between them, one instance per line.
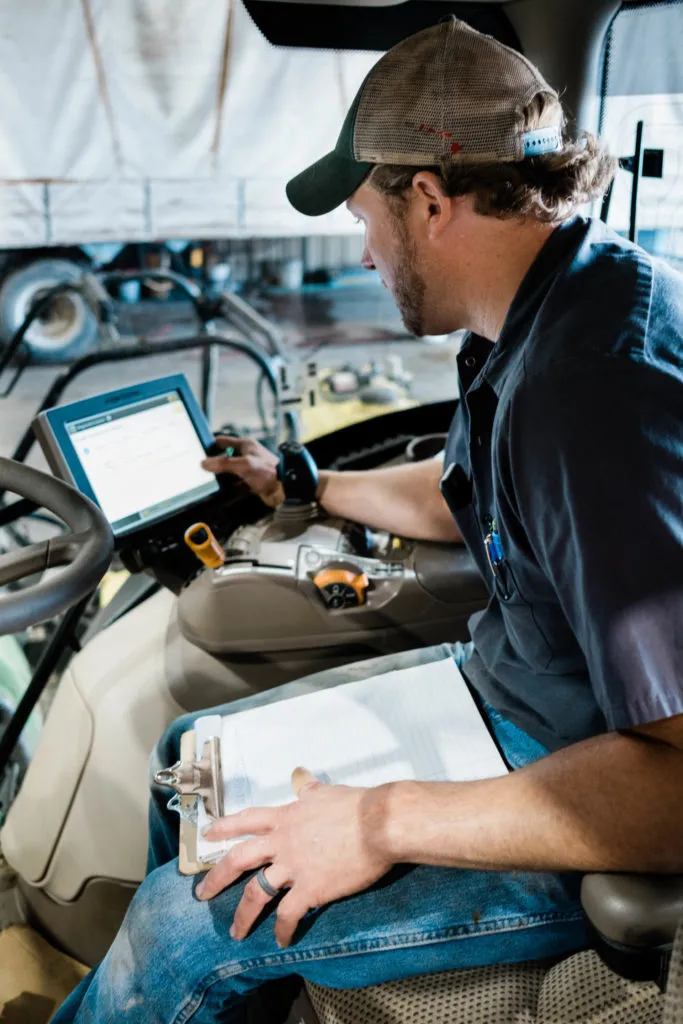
x=643 y=81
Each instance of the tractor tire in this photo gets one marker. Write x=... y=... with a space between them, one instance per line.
x=66 y=331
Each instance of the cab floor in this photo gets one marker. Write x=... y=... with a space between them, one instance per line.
x=35 y=978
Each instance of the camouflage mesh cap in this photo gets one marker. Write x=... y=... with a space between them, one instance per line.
x=447 y=92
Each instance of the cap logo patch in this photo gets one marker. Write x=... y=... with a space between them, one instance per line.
x=434 y=131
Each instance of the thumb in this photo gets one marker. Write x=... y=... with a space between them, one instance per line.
x=303 y=780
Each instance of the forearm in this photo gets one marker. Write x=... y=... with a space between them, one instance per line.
x=405 y=500
x=611 y=803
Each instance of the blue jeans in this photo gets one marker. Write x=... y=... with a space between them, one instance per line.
x=173 y=960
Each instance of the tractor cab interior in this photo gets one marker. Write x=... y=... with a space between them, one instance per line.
x=238 y=598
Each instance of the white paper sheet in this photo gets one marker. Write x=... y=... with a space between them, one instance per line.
x=415 y=723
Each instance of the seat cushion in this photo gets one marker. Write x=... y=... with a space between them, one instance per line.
x=578 y=990
x=673 y=1010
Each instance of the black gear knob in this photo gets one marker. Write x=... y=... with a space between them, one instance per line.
x=298 y=474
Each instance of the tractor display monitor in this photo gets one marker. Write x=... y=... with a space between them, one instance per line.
x=135 y=451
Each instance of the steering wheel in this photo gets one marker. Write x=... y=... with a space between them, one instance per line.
x=86 y=550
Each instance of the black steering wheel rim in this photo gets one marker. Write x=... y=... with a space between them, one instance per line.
x=84 y=553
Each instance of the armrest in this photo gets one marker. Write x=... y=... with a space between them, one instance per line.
x=636 y=911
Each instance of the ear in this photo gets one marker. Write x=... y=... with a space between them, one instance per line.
x=437 y=206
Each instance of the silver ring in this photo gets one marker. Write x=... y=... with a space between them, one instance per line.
x=265 y=884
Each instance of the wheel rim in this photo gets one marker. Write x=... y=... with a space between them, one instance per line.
x=59 y=325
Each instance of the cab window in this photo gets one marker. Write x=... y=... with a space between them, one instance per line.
x=643 y=81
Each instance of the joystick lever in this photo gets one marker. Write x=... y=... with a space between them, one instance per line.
x=298 y=475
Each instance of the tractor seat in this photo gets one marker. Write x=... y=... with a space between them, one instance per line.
x=634 y=920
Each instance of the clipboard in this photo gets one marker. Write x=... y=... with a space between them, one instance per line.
x=419 y=723
x=192 y=779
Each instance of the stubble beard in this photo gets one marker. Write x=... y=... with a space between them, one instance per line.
x=409 y=287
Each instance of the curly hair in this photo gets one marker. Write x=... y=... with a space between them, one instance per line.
x=549 y=187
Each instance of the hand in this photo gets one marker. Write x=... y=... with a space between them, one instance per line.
x=252 y=463
x=326 y=845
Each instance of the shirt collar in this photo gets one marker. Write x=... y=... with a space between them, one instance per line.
x=548 y=264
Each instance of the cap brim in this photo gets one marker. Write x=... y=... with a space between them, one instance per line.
x=326 y=184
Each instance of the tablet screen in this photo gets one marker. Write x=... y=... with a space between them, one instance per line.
x=142 y=460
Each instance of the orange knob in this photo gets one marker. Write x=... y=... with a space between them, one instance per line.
x=200 y=538
x=342 y=588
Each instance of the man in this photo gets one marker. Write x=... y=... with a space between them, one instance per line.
x=564 y=475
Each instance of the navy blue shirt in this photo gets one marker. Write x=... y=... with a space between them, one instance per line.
x=568 y=445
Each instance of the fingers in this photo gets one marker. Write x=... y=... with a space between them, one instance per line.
x=251 y=822
x=303 y=780
x=254 y=900
x=289 y=912
x=237 y=450
x=237 y=464
x=246 y=856
x=248 y=446
x=229 y=441
x=244 y=446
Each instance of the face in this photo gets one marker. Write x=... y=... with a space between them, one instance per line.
x=391 y=250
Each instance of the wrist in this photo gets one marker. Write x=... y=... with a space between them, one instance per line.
x=273 y=495
x=323 y=481
x=391 y=818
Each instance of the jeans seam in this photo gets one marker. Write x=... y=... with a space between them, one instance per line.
x=379 y=945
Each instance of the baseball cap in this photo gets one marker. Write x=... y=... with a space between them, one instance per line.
x=447 y=92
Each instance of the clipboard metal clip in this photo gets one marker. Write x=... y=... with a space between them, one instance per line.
x=202 y=778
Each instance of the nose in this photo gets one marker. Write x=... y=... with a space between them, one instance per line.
x=366 y=260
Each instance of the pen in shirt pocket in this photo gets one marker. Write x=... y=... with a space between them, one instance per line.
x=496 y=558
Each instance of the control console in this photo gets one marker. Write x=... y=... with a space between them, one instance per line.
x=299 y=580
x=287 y=588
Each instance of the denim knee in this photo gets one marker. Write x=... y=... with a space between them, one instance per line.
x=169 y=949
x=152 y=929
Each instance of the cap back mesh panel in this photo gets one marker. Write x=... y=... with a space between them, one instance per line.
x=446 y=92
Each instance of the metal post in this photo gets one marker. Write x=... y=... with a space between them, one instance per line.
x=209 y=381
x=606 y=202
x=637 y=172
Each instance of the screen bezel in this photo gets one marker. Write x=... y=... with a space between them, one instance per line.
x=68 y=463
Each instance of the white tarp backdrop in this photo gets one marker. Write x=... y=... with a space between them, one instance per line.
x=145 y=119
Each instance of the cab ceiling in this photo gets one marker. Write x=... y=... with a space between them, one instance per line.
x=565 y=38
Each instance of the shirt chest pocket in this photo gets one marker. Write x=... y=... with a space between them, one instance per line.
x=522 y=618
x=538 y=629
x=524 y=629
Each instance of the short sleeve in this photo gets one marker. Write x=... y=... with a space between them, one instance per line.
x=596 y=471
